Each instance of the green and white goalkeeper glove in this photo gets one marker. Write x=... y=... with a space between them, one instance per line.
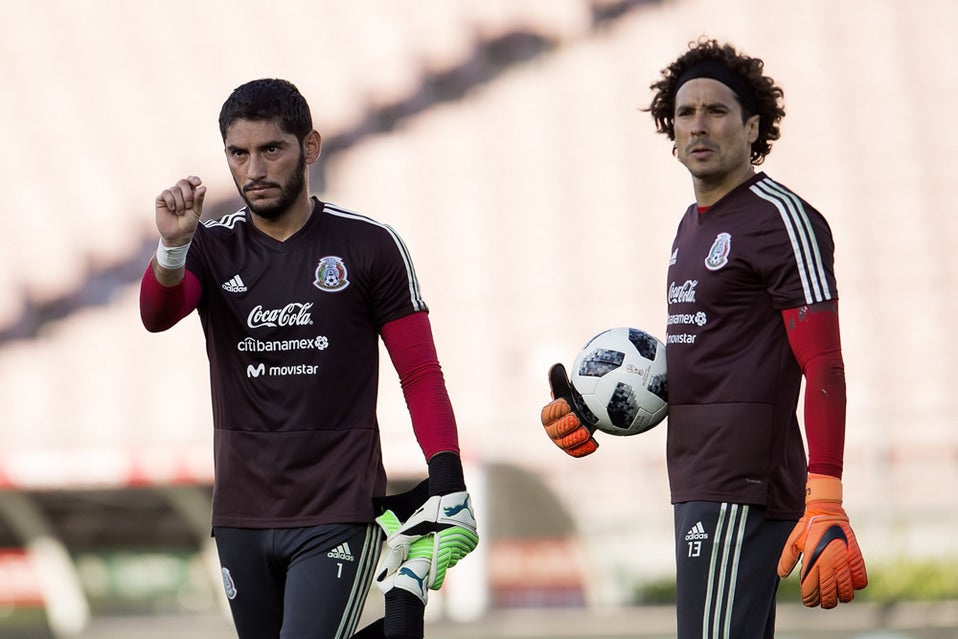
x=406 y=563
x=420 y=550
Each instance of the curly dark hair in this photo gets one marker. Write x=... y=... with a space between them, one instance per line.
x=267 y=99
x=768 y=96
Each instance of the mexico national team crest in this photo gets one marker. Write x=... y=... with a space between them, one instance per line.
x=718 y=254
x=331 y=274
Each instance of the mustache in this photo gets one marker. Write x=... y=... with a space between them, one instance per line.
x=698 y=143
x=260 y=184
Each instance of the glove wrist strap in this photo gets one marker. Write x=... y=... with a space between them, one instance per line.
x=823 y=488
x=445 y=474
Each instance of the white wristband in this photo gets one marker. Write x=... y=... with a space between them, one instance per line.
x=172 y=257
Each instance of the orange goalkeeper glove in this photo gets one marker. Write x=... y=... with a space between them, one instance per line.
x=833 y=568
x=562 y=425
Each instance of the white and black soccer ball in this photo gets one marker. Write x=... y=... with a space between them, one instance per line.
x=618 y=381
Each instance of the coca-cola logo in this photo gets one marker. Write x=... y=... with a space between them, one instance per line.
x=293 y=314
x=682 y=293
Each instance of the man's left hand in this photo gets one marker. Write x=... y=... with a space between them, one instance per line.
x=833 y=567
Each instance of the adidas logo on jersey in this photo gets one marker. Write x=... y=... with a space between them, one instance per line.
x=235 y=285
x=341 y=551
x=696 y=532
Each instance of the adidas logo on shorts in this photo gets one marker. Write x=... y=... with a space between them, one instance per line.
x=696 y=532
x=341 y=551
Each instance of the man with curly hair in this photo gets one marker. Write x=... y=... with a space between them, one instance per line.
x=752 y=263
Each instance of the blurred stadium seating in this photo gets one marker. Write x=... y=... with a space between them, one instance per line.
x=505 y=141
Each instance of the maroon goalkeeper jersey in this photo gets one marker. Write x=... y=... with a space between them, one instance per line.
x=733 y=381
x=292 y=335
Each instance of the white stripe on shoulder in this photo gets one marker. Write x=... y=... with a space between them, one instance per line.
x=228 y=221
x=808 y=257
x=415 y=294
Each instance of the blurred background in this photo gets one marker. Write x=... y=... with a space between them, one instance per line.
x=505 y=141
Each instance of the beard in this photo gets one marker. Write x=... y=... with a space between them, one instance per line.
x=289 y=192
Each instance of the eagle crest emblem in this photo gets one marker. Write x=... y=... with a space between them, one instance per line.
x=331 y=275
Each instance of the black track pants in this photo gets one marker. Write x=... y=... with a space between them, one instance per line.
x=298 y=583
x=726 y=559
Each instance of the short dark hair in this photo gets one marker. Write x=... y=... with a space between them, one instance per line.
x=268 y=99
x=768 y=96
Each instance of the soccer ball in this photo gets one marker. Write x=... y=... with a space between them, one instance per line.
x=618 y=381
